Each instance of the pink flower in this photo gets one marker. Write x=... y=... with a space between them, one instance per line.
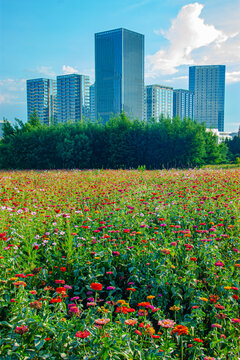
x=219 y=263
x=235 y=321
x=21 y=329
x=167 y=323
x=102 y=321
x=216 y=326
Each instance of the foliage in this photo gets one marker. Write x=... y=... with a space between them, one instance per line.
x=120 y=143
x=234 y=147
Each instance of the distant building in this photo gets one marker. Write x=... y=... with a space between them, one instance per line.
x=145 y=104
x=183 y=101
x=1 y=126
x=41 y=95
x=208 y=85
x=222 y=135
x=159 y=101
x=119 y=73
x=73 y=102
x=92 y=103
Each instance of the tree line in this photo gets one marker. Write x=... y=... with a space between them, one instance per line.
x=120 y=143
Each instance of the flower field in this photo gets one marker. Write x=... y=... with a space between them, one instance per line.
x=120 y=265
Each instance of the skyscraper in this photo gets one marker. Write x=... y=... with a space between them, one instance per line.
x=208 y=85
x=92 y=103
x=41 y=96
x=73 y=101
x=159 y=101
x=119 y=73
x=183 y=101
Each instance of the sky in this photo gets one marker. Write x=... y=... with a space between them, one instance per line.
x=53 y=37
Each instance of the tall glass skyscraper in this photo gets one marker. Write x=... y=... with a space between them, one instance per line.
x=183 y=102
x=41 y=96
x=73 y=101
x=159 y=101
x=119 y=73
x=208 y=86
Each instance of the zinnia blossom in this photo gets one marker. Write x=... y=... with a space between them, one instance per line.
x=96 y=286
x=130 y=322
x=102 y=321
x=216 y=326
x=235 y=321
x=167 y=323
x=180 y=330
x=219 y=263
x=21 y=329
x=198 y=340
x=82 y=334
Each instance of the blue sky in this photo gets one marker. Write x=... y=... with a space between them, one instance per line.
x=53 y=37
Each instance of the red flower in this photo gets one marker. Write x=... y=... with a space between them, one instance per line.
x=236 y=297
x=53 y=301
x=96 y=286
x=63 y=269
x=138 y=332
x=61 y=290
x=198 y=340
x=82 y=334
x=193 y=258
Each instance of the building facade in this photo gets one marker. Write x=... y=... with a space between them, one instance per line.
x=41 y=96
x=159 y=101
x=92 y=103
x=208 y=85
x=1 y=128
x=119 y=73
x=73 y=100
x=183 y=102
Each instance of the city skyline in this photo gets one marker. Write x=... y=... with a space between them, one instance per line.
x=58 y=43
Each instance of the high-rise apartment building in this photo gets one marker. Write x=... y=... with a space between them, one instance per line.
x=159 y=101
x=119 y=73
x=73 y=102
x=41 y=96
x=145 y=104
x=208 y=85
x=183 y=101
x=92 y=103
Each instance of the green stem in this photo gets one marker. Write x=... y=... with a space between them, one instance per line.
x=181 y=347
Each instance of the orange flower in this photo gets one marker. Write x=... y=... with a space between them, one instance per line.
x=144 y=304
x=180 y=330
x=19 y=283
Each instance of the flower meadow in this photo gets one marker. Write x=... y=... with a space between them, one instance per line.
x=123 y=264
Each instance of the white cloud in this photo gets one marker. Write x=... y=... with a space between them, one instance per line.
x=12 y=91
x=66 y=69
x=45 y=70
x=232 y=77
x=192 y=42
